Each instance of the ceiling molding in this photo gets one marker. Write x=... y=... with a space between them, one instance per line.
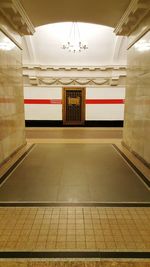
x=98 y=76
x=135 y=12
x=28 y=40
x=76 y=68
x=117 y=48
x=16 y=16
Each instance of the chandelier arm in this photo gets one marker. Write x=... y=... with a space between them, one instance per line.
x=70 y=33
x=74 y=32
x=78 y=31
x=74 y=44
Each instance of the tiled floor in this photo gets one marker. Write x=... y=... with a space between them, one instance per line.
x=40 y=229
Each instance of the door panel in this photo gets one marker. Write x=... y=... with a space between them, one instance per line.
x=73 y=106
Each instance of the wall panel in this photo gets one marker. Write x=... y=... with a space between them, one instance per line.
x=45 y=103
x=137 y=108
x=12 y=132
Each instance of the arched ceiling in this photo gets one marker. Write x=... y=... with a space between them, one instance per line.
x=45 y=46
x=104 y=12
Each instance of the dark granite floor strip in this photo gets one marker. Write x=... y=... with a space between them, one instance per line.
x=3 y=177
x=142 y=176
x=75 y=254
x=67 y=204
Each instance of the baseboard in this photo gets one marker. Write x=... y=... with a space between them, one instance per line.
x=59 y=123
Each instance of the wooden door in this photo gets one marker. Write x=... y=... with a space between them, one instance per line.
x=73 y=106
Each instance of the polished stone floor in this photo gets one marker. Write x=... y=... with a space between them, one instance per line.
x=74 y=173
x=73 y=133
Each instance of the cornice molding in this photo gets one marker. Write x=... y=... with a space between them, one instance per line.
x=76 y=68
x=134 y=14
x=13 y=11
x=78 y=81
x=43 y=75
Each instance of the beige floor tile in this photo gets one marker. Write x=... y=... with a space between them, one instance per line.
x=50 y=245
x=41 y=245
x=80 y=238
x=115 y=237
x=90 y=245
x=80 y=245
x=60 y=245
x=71 y=245
x=120 y=245
x=110 y=245
x=71 y=238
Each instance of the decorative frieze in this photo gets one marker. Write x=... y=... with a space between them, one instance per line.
x=135 y=12
x=13 y=11
x=47 y=81
x=78 y=76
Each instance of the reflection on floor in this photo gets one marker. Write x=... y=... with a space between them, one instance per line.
x=74 y=133
x=74 y=173
x=107 y=232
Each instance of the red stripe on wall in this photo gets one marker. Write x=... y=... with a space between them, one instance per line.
x=87 y=101
x=104 y=101
x=43 y=101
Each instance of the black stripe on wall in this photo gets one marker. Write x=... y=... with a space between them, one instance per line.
x=59 y=123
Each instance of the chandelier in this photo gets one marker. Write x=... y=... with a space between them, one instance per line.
x=74 y=43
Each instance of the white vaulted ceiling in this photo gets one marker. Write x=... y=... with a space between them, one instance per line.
x=44 y=47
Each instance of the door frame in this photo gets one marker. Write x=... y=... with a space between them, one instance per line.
x=64 y=89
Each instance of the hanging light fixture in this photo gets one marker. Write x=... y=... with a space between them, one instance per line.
x=74 y=43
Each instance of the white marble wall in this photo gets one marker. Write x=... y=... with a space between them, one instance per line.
x=12 y=130
x=137 y=105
